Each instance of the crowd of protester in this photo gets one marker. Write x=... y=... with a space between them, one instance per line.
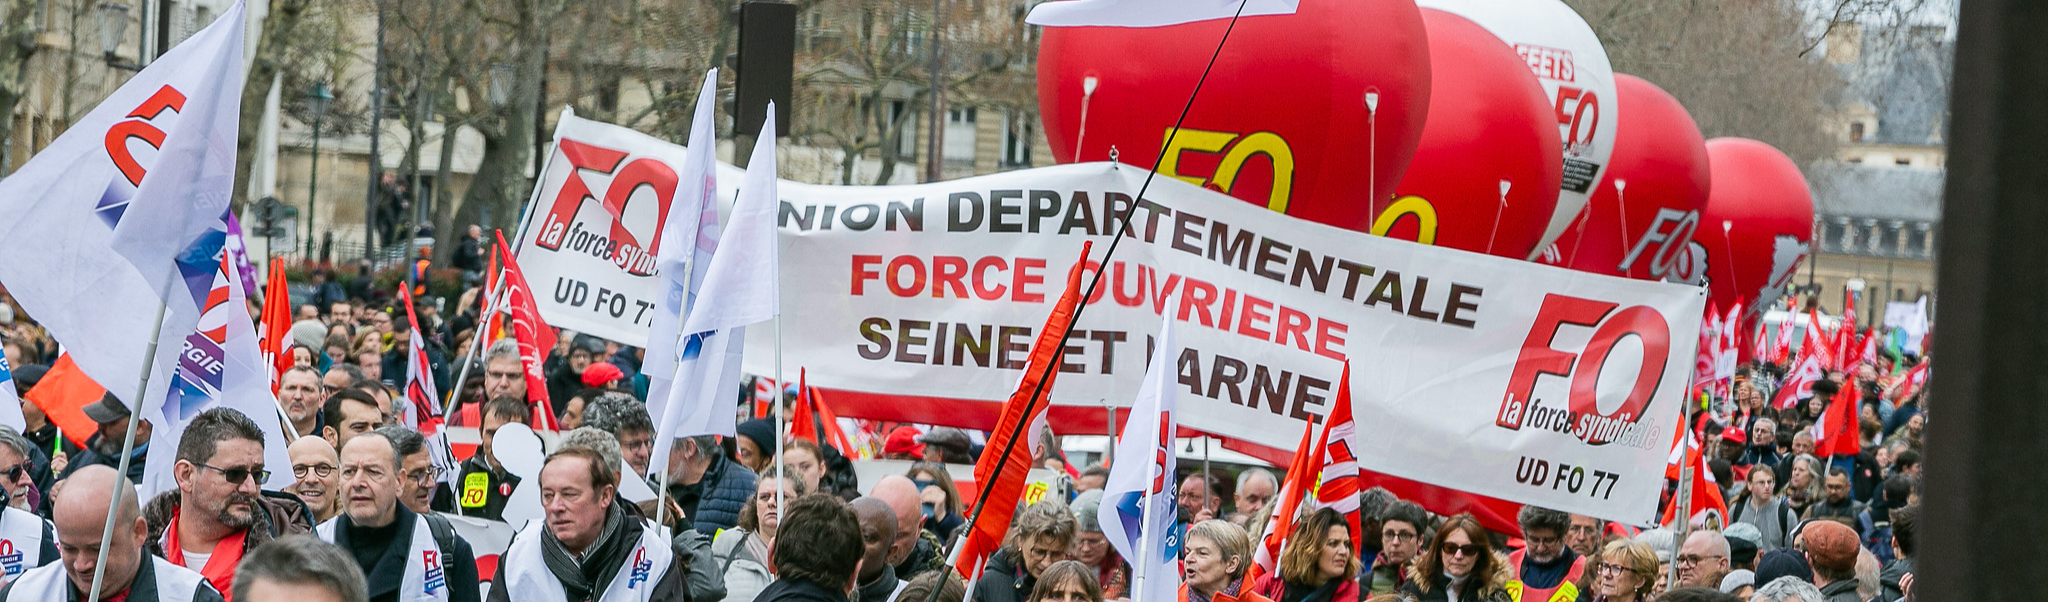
x=366 y=515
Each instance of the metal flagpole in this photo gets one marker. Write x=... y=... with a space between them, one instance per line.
x=99 y=571
x=1144 y=559
x=689 y=273
x=1684 y=501
x=779 y=418
x=476 y=341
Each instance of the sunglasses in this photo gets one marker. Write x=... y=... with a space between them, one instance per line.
x=15 y=473
x=1470 y=549
x=238 y=475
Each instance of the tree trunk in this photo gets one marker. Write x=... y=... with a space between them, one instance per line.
x=284 y=18
x=500 y=183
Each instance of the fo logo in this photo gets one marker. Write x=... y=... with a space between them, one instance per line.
x=1581 y=417
x=617 y=245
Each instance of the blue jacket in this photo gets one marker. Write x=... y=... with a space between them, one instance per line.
x=714 y=502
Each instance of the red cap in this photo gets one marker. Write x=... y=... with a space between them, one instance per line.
x=903 y=440
x=1734 y=434
x=600 y=374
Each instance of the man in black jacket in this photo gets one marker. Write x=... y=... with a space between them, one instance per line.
x=709 y=488
x=105 y=447
x=469 y=256
x=817 y=552
x=484 y=485
x=403 y=555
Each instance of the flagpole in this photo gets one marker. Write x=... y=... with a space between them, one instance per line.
x=1144 y=559
x=476 y=342
x=99 y=571
x=1116 y=238
x=1684 y=500
x=780 y=420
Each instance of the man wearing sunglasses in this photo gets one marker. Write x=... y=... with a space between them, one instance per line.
x=31 y=539
x=220 y=509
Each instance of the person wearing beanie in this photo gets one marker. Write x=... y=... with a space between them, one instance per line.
x=1783 y=562
x=1743 y=545
x=603 y=375
x=755 y=445
x=1092 y=548
x=1831 y=549
x=1738 y=583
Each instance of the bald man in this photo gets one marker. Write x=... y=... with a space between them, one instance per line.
x=131 y=575
x=876 y=580
x=318 y=470
x=916 y=550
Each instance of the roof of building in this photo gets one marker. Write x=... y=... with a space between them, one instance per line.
x=1904 y=77
x=1877 y=192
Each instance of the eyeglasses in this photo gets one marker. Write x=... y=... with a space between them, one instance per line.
x=1609 y=567
x=238 y=475
x=1696 y=559
x=1397 y=536
x=1543 y=541
x=424 y=475
x=15 y=473
x=637 y=445
x=1470 y=549
x=323 y=470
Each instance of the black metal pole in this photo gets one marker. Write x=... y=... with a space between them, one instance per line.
x=372 y=198
x=1123 y=228
x=1983 y=517
x=313 y=186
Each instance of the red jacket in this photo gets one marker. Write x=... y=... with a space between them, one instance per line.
x=1243 y=595
x=1272 y=587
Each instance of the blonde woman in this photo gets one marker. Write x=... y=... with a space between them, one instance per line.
x=1626 y=572
x=1217 y=554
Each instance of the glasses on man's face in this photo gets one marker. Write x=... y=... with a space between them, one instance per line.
x=1470 y=549
x=15 y=473
x=1582 y=530
x=1397 y=535
x=424 y=476
x=1543 y=541
x=1694 y=559
x=637 y=445
x=322 y=470
x=238 y=475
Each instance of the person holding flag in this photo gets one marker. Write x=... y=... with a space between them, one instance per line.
x=1138 y=513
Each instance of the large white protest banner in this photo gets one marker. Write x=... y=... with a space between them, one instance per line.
x=1498 y=377
x=594 y=228
x=1503 y=378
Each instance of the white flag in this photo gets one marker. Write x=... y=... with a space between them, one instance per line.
x=687 y=240
x=10 y=399
x=740 y=288
x=219 y=366
x=1139 y=513
x=124 y=211
x=1149 y=13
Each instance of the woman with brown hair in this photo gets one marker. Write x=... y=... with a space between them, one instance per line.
x=1458 y=566
x=1065 y=581
x=941 y=500
x=742 y=552
x=1317 y=564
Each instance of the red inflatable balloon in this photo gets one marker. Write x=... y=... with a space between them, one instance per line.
x=1305 y=114
x=1642 y=218
x=1757 y=224
x=1485 y=175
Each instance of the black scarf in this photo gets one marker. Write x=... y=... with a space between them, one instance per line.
x=1299 y=592
x=583 y=578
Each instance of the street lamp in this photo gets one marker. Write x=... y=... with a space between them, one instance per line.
x=317 y=101
x=114 y=27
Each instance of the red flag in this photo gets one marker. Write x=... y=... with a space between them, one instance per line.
x=834 y=433
x=420 y=393
x=1845 y=335
x=277 y=325
x=1706 y=492
x=1869 y=345
x=1301 y=477
x=63 y=394
x=534 y=336
x=1338 y=486
x=1817 y=343
x=1026 y=407
x=1800 y=380
x=811 y=415
x=1913 y=380
x=1837 y=432
x=1703 y=353
x=765 y=394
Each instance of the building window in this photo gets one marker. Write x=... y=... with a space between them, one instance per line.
x=960 y=136
x=1903 y=161
x=1017 y=136
x=1856 y=132
x=906 y=135
x=1855 y=159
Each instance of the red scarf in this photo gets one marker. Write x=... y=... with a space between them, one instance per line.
x=220 y=567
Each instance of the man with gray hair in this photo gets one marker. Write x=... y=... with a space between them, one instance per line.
x=594 y=440
x=1786 y=589
x=710 y=488
x=1255 y=488
x=300 y=568
x=504 y=374
x=405 y=556
x=20 y=528
x=625 y=418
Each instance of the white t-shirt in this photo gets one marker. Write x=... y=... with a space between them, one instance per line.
x=196 y=561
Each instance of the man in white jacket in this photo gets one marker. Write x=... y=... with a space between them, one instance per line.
x=131 y=575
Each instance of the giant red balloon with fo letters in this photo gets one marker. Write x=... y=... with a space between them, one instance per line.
x=1756 y=227
x=1485 y=176
x=1646 y=210
x=1311 y=114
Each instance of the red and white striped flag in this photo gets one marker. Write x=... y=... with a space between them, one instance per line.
x=1337 y=489
x=420 y=393
x=1301 y=478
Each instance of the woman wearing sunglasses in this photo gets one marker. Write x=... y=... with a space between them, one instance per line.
x=1458 y=566
x=1625 y=572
